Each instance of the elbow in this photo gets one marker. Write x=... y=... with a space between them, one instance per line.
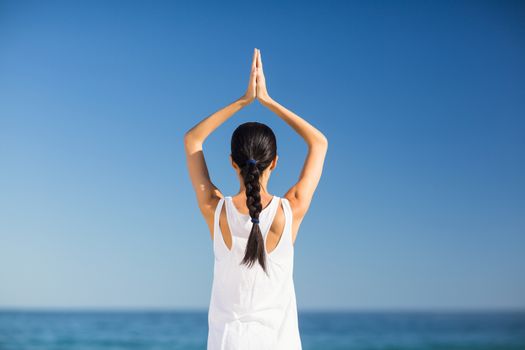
x=319 y=142
x=191 y=143
x=189 y=140
x=187 y=137
x=324 y=141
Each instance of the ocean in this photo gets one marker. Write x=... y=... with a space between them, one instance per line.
x=187 y=330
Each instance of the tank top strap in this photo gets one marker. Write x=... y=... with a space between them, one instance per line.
x=288 y=214
x=284 y=251
x=268 y=215
x=237 y=221
x=218 y=211
x=219 y=246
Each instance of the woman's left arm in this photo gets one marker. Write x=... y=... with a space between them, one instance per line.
x=207 y=193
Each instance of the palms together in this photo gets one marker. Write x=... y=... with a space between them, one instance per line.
x=257 y=83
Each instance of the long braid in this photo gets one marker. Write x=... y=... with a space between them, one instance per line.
x=255 y=245
x=253 y=149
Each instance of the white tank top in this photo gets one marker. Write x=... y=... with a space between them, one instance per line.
x=250 y=310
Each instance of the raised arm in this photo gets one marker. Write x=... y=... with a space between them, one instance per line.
x=300 y=195
x=207 y=193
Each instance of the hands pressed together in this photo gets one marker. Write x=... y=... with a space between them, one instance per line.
x=257 y=84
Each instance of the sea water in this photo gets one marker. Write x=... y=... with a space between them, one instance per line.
x=185 y=330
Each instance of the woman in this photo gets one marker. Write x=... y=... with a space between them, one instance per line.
x=253 y=304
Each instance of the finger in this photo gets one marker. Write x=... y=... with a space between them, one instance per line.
x=254 y=60
x=259 y=60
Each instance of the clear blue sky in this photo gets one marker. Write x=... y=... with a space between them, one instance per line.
x=422 y=200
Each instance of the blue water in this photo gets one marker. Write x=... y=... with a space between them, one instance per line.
x=39 y=330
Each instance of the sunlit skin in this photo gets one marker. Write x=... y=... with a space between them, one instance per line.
x=299 y=195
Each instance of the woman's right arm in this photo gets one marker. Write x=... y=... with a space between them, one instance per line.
x=300 y=195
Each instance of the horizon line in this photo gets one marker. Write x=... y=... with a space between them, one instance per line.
x=130 y=309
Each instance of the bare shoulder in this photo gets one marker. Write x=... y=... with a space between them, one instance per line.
x=298 y=205
x=208 y=210
x=298 y=214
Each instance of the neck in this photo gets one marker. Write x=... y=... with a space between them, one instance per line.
x=264 y=188
x=265 y=176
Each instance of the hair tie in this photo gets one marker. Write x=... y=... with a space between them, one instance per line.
x=255 y=220
x=251 y=161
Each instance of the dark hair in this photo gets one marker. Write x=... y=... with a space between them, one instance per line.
x=253 y=140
